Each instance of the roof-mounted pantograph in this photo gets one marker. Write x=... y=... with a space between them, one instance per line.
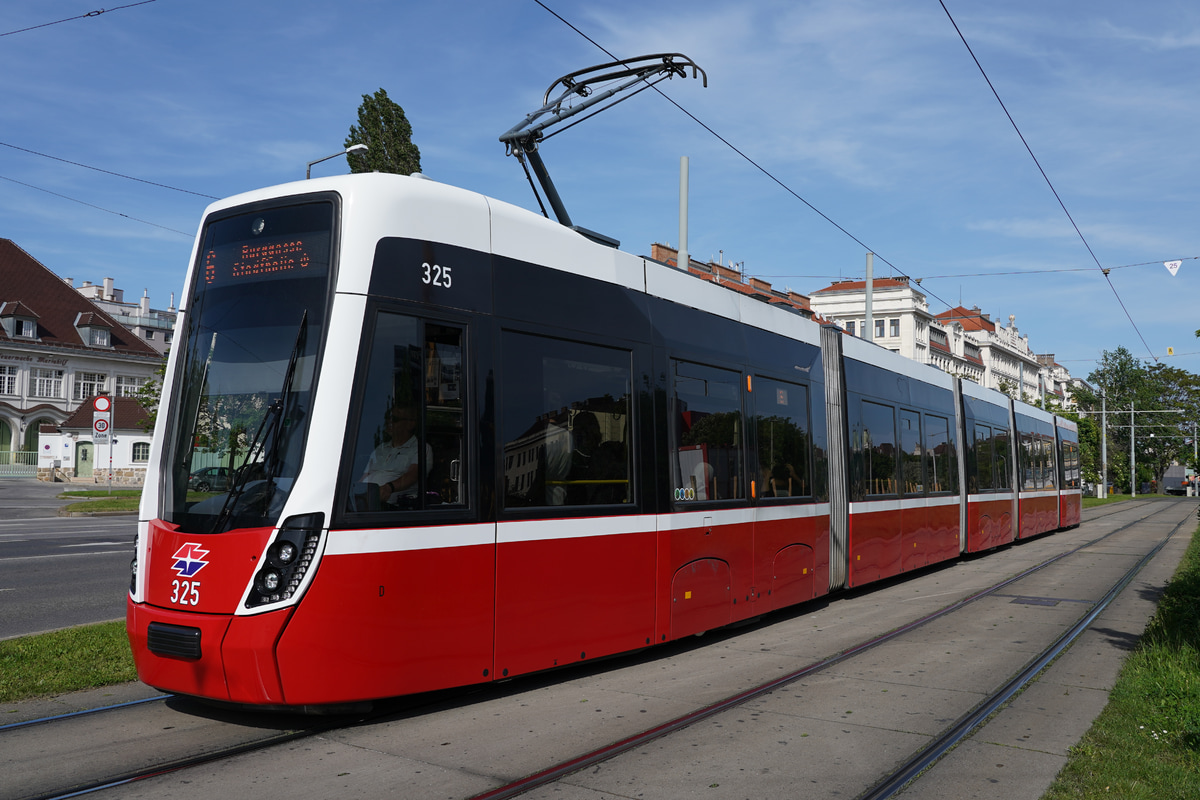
x=560 y=104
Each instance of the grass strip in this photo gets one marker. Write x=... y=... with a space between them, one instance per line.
x=67 y=660
x=1146 y=742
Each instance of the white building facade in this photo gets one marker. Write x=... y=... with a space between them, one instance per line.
x=963 y=342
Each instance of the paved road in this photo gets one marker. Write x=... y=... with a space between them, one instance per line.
x=27 y=498
x=56 y=572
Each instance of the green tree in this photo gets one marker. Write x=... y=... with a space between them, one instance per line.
x=1159 y=439
x=149 y=393
x=384 y=129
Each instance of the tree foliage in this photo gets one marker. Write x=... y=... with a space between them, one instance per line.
x=386 y=132
x=1151 y=409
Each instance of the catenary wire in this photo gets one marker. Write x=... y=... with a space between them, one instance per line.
x=1001 y=274
x=1049 y=183
x=90 y=205
x=106 y=171
x=790 y=191
x=95 y=13
x=747 y=158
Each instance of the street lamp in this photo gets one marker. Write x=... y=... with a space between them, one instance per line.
x=354 y=148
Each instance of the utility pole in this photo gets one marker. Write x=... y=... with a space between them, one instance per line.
x=869 y=324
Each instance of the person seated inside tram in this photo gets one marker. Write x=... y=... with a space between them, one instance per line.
x=394 y=465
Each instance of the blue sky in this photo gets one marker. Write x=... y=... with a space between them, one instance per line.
x=871 y=110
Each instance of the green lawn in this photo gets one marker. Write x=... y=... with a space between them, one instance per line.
x=65 y=661
x=1146 y=742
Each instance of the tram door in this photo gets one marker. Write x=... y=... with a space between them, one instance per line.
x=84 y=459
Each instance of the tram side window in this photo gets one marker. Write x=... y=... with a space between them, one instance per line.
x=1002 y=455
x=706 y=445
x=912 y=462
x=984 y=458
x=1070 y=461
x=877 y=449
x=1030 y=454
x=941 y=458
x=1050 y=480
x=783 y=440
x=565 y=423
x=409 y=449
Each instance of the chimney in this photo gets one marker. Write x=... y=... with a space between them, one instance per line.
x=108 y=289
x=144 y=305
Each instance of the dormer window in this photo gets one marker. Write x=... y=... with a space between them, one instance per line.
x=19 y=320
x=92 y=330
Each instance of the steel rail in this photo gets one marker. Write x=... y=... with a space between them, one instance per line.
x=975 y=718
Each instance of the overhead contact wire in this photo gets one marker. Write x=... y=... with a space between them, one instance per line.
x=748 y=159
x=1045 y=177
x=95 y=13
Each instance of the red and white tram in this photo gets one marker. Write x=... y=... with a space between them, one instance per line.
x=467 y=443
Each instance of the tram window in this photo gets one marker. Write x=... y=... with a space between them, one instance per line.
x=706 y=446
x=878 y=453
x=911 y=455
x=941 y=458
x=1002 y=453
x=1031 y=462
x=781 y=425
x=1050 y=481
x=1070 y=460
x=984 y=458
x=565 y=423
x=409 y=451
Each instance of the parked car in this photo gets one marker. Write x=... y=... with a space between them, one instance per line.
x=209 y=479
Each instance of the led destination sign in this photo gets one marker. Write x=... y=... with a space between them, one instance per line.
x=287 y=243
x=260 y=261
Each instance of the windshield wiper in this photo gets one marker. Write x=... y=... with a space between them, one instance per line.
x=272 y=425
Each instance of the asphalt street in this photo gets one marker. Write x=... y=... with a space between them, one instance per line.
x=56 y=572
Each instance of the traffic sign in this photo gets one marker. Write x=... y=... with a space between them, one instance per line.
x=102 y=403
x=101 y=422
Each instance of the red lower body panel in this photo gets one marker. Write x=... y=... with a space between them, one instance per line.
x=890 y=537
x=989 y=522
x=236 y=664
x=1071 y=509
x=1039 y=514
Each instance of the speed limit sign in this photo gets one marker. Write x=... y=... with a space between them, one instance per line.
x=100 y=425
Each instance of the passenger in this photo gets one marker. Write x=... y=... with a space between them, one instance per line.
x=394 y=464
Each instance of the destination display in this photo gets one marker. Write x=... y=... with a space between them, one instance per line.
x=265 y=260
x=273 y=244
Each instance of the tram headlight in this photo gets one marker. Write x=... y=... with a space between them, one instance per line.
x=268 y=581
x=288 y=560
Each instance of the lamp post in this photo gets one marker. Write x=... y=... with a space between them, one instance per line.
x=354 y=148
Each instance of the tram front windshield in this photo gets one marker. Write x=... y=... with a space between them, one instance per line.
x=244 y=387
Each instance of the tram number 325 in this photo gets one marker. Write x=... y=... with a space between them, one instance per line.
x=435 y=275
x=185 y=593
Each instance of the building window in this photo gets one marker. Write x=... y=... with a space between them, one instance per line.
x=8 y=380
x=894 y=328
x=46 y=383
x=149 y=336
x=89 y=384
x=26 y=329
x=98 y=337
x=141 y=451
x=878 y=329
x=127 y=385
x=850 y=327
